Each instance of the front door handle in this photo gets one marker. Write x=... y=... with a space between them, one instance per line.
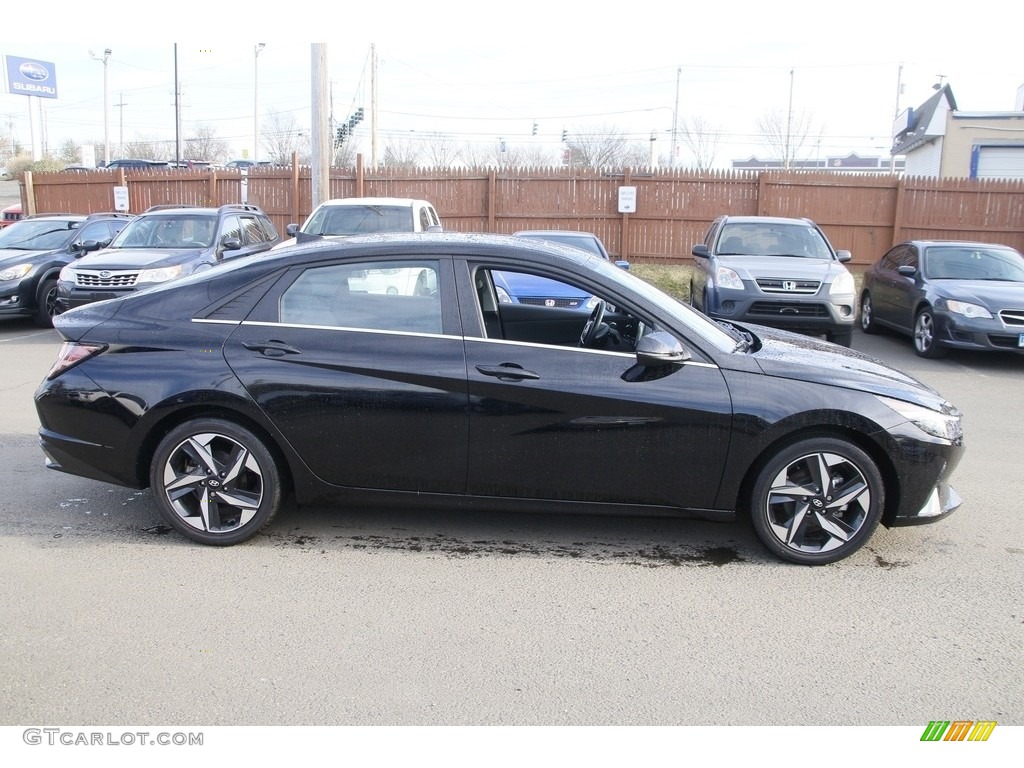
x=508 y=372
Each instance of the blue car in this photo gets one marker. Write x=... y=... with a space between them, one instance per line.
x=516 y=288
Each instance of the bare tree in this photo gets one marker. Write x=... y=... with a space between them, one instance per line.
x=204 y=144
x=496 y=154
x=69 y=152
x=537 y=156
x=281 y=136
x=703 y=140
x=600 y=147
x=145 y=148
x=440 y=151
x=785 y=134
x=402 y=153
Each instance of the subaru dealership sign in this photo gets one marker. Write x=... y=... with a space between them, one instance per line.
x=31 y=77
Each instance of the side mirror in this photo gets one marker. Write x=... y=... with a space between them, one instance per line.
x=622 y=264
x=906 y=270
x=660 y=348
x=87 y=246
x=291 y=229
x=844 y=256
x=700 y=251
x=434 y=228
x=230 y=243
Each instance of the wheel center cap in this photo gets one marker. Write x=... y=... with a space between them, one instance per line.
x=818 y=504
x=216 y=484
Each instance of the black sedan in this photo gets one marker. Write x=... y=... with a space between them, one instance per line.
x=947 y=294
x=297 y=371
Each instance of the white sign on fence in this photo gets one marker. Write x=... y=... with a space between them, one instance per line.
x=120 y=198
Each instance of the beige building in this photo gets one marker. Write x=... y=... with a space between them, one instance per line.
x=940 y=141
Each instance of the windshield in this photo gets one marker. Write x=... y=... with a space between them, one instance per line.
x=180 y=231
x=772 y=239
x=37 y=234
x=359 y=220
x=974 y=263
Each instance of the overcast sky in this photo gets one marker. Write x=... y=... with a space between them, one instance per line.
x=480 y=72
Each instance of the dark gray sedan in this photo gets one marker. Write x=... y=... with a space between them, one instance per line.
x=947 y=294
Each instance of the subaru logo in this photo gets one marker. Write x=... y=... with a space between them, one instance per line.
x=789 y=285
x=34 y=71
x=105 y=274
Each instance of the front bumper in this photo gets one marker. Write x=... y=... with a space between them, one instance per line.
x=806 y=314
x=979 y=334
x=69 y=296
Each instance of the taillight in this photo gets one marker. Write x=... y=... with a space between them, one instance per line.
x=71 y=354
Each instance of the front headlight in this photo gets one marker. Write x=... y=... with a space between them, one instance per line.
x=503 y=297
x=728 y=278
x=943 y=424
x=16 y=272
x=968 y=310
x=843 y=285
x=67 y=275
x=161 y=275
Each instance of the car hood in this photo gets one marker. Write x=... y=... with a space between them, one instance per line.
x=17 y=256
x=795 y=267
x=787 y=355
x=991 y=294
x=133 y=258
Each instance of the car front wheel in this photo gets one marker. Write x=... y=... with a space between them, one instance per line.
x=867 y=315
x=926 y=343
x=46 y=304
x=817 y=501
x=215 y=482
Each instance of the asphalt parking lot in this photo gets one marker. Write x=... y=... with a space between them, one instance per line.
x=361 y=617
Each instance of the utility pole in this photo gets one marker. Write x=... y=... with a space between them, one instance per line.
x=373 y=105
x=675 y=121
x=106 y=102
x=177 y=110
x=120 y=130
x=896 y=114
x=320 y=157
x=256 y=101
x=787 y=160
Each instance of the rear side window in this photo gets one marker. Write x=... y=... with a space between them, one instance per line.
x=377 y=296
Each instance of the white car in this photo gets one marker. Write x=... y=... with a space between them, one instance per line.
x=362 y=216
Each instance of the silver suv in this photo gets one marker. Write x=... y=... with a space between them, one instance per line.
x=774 y=271
x=164 y=243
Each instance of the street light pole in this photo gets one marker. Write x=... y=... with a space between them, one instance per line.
x=106 y=106
x=256 y=101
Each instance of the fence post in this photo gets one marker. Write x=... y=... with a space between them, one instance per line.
x=29 y=195
x=492 y=183
x=897 y=216
x=624 y=234
x=295 y=187
x=360 y=176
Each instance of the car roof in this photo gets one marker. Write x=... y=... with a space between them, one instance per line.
x=396 y=201
x=968 y=243
x=553 y=233
x=540 y=252
x=766 y=220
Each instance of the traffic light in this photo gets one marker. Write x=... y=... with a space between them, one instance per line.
x=565 y=135
x=535 y=128
x=342 y=134
x=359 y=115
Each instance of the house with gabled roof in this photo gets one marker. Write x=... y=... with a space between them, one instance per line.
x=938 y=140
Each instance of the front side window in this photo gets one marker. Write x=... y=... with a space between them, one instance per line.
x=253 y=232
x=401 y=296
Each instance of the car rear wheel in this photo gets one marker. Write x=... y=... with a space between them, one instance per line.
x=926 y=343
x=817 y=501
x=215 y=482
x=867 y=315
x=46 y=304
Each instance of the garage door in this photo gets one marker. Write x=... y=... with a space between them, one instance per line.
x=998 y=162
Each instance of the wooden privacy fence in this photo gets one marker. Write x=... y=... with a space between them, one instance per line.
x=865 y=214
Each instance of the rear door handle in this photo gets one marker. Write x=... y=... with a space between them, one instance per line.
x=508 y=372
x=272 y=348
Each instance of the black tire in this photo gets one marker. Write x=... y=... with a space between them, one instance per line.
x=842 y=338
x=867 y=315
x=215 y=482
x=926 y=342
x=46 y=304
x=817 y=501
